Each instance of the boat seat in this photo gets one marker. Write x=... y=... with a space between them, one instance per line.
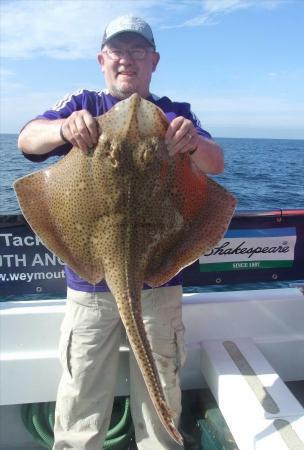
x=259 y=409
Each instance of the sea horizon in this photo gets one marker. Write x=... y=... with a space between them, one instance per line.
x=262 y=173
x=219 y=137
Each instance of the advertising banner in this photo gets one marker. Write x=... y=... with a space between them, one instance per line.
x=26 y=266
x=251 y=249
x=259 y=246
x=266 y=246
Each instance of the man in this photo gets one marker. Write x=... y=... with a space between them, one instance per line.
x=91 y=331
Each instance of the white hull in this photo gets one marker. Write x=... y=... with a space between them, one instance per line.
x=271 y=320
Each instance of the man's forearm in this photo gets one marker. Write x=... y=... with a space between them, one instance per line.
x=40 y=136
x=208 y=157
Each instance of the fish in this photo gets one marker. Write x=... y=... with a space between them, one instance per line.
x=129 y=213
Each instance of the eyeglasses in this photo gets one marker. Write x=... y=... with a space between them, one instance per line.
x=135 y=53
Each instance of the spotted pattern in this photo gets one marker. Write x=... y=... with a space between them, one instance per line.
x=129 y=213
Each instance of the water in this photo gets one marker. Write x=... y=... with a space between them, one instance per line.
x=13 y=165
x=262 y=173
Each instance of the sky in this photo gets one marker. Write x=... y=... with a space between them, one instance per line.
x=239 y=63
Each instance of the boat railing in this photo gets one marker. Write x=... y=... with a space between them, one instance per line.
x=259 y=246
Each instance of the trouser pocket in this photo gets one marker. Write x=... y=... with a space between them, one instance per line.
x=65 y=351
x=180 y=346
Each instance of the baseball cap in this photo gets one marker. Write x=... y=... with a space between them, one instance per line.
x=131 y=24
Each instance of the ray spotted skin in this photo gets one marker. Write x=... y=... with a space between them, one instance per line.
x=129 y=213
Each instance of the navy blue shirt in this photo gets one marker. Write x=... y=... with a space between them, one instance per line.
x=98 y=103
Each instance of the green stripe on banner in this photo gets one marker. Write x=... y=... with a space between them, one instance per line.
x=244 y=265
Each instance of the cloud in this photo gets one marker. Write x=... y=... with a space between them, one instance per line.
x=240 y=115
x=227 y=6
x=5 y=73
x=17 y=110
x=72 y=29
x=213 y=10
x=236 y=110
x=242 y=110
x=8 y=80
x=60 y=29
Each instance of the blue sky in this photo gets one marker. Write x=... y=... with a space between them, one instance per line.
x=239 y=63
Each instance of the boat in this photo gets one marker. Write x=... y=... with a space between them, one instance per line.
x=243 y=309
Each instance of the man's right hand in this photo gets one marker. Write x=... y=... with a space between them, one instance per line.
x=81 y=130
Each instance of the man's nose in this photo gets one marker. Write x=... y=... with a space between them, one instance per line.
x=127 y=56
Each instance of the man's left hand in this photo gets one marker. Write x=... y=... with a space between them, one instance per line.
x=181 y=136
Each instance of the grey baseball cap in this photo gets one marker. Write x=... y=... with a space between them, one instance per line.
x=131 y=24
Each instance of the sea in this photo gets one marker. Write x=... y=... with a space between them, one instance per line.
x=263 y=174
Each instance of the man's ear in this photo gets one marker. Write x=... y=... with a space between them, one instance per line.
x=100 y=58
x=156 y=58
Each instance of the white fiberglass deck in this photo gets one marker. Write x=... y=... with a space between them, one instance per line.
x=273 y=318
x=267 y=325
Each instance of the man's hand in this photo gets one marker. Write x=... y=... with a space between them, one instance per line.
x=81 y=130
x=181 y=136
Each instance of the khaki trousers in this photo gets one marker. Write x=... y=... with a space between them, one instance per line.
x=91 y=334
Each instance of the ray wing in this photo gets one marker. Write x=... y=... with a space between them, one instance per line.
x=60 y=203
x=205 y=210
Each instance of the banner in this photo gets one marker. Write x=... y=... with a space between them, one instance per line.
x=251 y=249
x=26 y=266
x=258 y=246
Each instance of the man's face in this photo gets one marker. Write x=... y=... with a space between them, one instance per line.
x=128 y=75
